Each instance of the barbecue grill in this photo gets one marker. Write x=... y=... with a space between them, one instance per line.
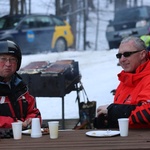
x=56 y=79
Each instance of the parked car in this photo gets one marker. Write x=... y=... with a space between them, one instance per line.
x=37 y=33
x=134 y=21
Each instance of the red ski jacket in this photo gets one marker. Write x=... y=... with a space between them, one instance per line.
x=16 y=103
x=133 y=97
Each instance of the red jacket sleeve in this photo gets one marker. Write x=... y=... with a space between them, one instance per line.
x=32 y=111
x=5 y=122
x=140 y=117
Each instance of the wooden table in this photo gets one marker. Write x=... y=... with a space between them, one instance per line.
x=77 y=140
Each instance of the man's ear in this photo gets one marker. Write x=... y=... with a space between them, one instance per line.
x=144 y=54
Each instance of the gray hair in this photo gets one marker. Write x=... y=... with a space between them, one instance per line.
x=138 y=43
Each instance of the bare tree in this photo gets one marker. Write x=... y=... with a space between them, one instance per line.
x=97 y=26
x=120 y=4
x=58 y=7
x=14 y=6
x=84 y=28
x=73 y=19
x=66 y=8
x=22 y=6
x=135 y=2
x=91 y=5
x=29 y=6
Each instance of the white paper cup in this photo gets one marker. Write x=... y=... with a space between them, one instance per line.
x=17 y=130
x=53 y=129
x=123 y=126
x=36 y=128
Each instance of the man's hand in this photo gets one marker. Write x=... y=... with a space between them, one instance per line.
x=102 y=110
x=26 y=123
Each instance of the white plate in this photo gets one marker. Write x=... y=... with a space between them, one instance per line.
x=100 y=133
x=28 y=132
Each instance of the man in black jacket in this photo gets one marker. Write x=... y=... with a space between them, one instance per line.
x=16 y=103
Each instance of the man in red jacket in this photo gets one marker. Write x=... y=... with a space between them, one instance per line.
x=132 y=97
x=16 y=104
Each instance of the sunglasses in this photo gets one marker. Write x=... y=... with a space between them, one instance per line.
x=126 y=54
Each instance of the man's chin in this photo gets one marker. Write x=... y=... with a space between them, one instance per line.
x=127 y=70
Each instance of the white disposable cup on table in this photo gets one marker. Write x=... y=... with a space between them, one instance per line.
x=36 y=128
x=123 y=126
x=53 y=129
x=17 y=130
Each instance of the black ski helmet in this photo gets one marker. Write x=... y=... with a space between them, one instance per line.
x=9 y=47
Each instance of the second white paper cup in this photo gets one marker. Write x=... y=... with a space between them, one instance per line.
x=17 y=130
x=53 y=129
x=123 y=126
x=36 y=128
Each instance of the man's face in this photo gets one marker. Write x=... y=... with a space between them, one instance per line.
x=8 y=66
x=131 y=62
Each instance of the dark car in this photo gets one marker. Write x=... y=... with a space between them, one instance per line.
x=37 y=33
x=134 y=21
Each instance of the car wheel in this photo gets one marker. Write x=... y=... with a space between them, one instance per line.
x=60 y=45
